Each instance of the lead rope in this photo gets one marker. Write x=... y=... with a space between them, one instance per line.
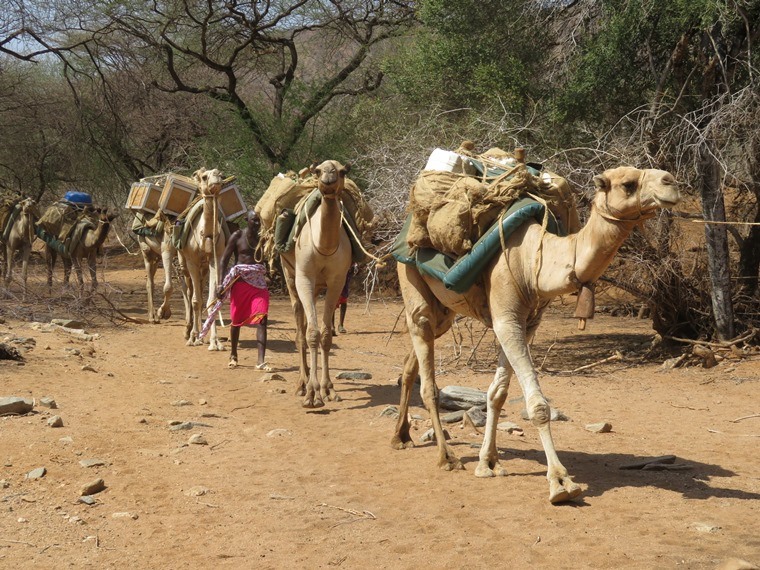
x=214 y=223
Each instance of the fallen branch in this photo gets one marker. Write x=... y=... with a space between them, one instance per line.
x=122 y=315
x=717 y=344
x=737 y=420
x=617 y=356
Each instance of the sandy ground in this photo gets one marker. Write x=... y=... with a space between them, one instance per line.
x=279 y=486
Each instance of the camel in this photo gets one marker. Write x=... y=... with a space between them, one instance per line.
x=157 y=248
x=204 y=248
x=517 y=286
x=20 y=238
x=320 y=258
x=87 y=249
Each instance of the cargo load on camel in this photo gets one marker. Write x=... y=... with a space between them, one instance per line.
x=64 y=223
x=451 y=231
x=291 y=197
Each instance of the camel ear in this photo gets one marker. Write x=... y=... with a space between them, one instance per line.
x=602 y=183
x=198 y=173
x=346 y=169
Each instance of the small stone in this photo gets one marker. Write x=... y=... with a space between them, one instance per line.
x=21 y=520
x=272 y=377
x=88 y=368
x=68 y=323
x=72 y=351
x=477 y=416
x=390 y=411
x=87 y=500
x=704 y=527
x=66 y=440
x=279 y=432
x=197 y=439
x=186 y=426
x=48 y=402
x=55 y=421
x=76 y=520
x=202 y=402
x=510 y=427
x=602 y=427
x=197 y=491
x=4 y=484
x=429 y=435
x=125 y=515
x=15 y=405
x=354 y=376
x=38 y=473
x=93 y=487
x=452 y=417
x=179 y=403
x=92 y=463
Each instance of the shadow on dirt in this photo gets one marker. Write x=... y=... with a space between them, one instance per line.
x=600 y=473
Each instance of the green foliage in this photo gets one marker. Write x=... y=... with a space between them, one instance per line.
x=470 y=54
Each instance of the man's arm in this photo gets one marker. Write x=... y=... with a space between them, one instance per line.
x=226 y=256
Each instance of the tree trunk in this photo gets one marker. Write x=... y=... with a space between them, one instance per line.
x=713 y=209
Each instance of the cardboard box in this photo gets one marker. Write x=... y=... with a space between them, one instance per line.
x=144 y=196
x=231 y=201
x=177 y=194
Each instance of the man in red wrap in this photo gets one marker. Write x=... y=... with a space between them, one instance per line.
x=247 y=286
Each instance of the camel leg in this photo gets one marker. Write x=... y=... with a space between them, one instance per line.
x=300 y=318
x=401 y=438
x=489 y=466
x=26 y=251
x=150 y=271
x=50 y=256
x=195 y=302
x=514 y=342
x=186 y=287
x=92 y=264
x=306 y=294
x=213 y=340
x=426 y=320
x=8 y=264
x=327 y=389
x=165 y=310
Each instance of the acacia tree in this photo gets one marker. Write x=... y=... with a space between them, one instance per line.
x=278 y=65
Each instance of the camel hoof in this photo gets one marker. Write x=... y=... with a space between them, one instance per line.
x=301 y=391
x=232 y=363
x=315 y=404
x=451 y=464
x=563 y=492
x=484 y=470
x=398 y=443
x=190 y=342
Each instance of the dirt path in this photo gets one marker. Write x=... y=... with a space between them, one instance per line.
x=278 y=486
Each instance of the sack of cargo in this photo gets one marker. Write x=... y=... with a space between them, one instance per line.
x=450 y=221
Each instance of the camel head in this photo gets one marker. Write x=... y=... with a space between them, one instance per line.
x=29 y=208
x=630 y=194
x=209 y=181
x=331 y=175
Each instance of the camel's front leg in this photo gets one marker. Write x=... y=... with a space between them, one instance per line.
x=195 y=302
x=326 y=386
x=8 y=264
x=50 y=256
x=423 y=339
x=213 y=341
x=25 y=253
x=489 y=465
x=513 y=341
x=92 y=264
x=165 y=310
x=314 y=398
x=401 y=438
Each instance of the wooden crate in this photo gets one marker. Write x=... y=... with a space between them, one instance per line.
x=144 y=196
x=231 y=201
x=177 y=194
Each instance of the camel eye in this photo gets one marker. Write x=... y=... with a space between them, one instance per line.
x=630 y=187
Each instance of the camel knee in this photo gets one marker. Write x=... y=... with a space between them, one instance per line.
x=539 y=411
x=312 y=337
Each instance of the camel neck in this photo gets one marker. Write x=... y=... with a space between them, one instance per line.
x=597 y=243
x=326 y=224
